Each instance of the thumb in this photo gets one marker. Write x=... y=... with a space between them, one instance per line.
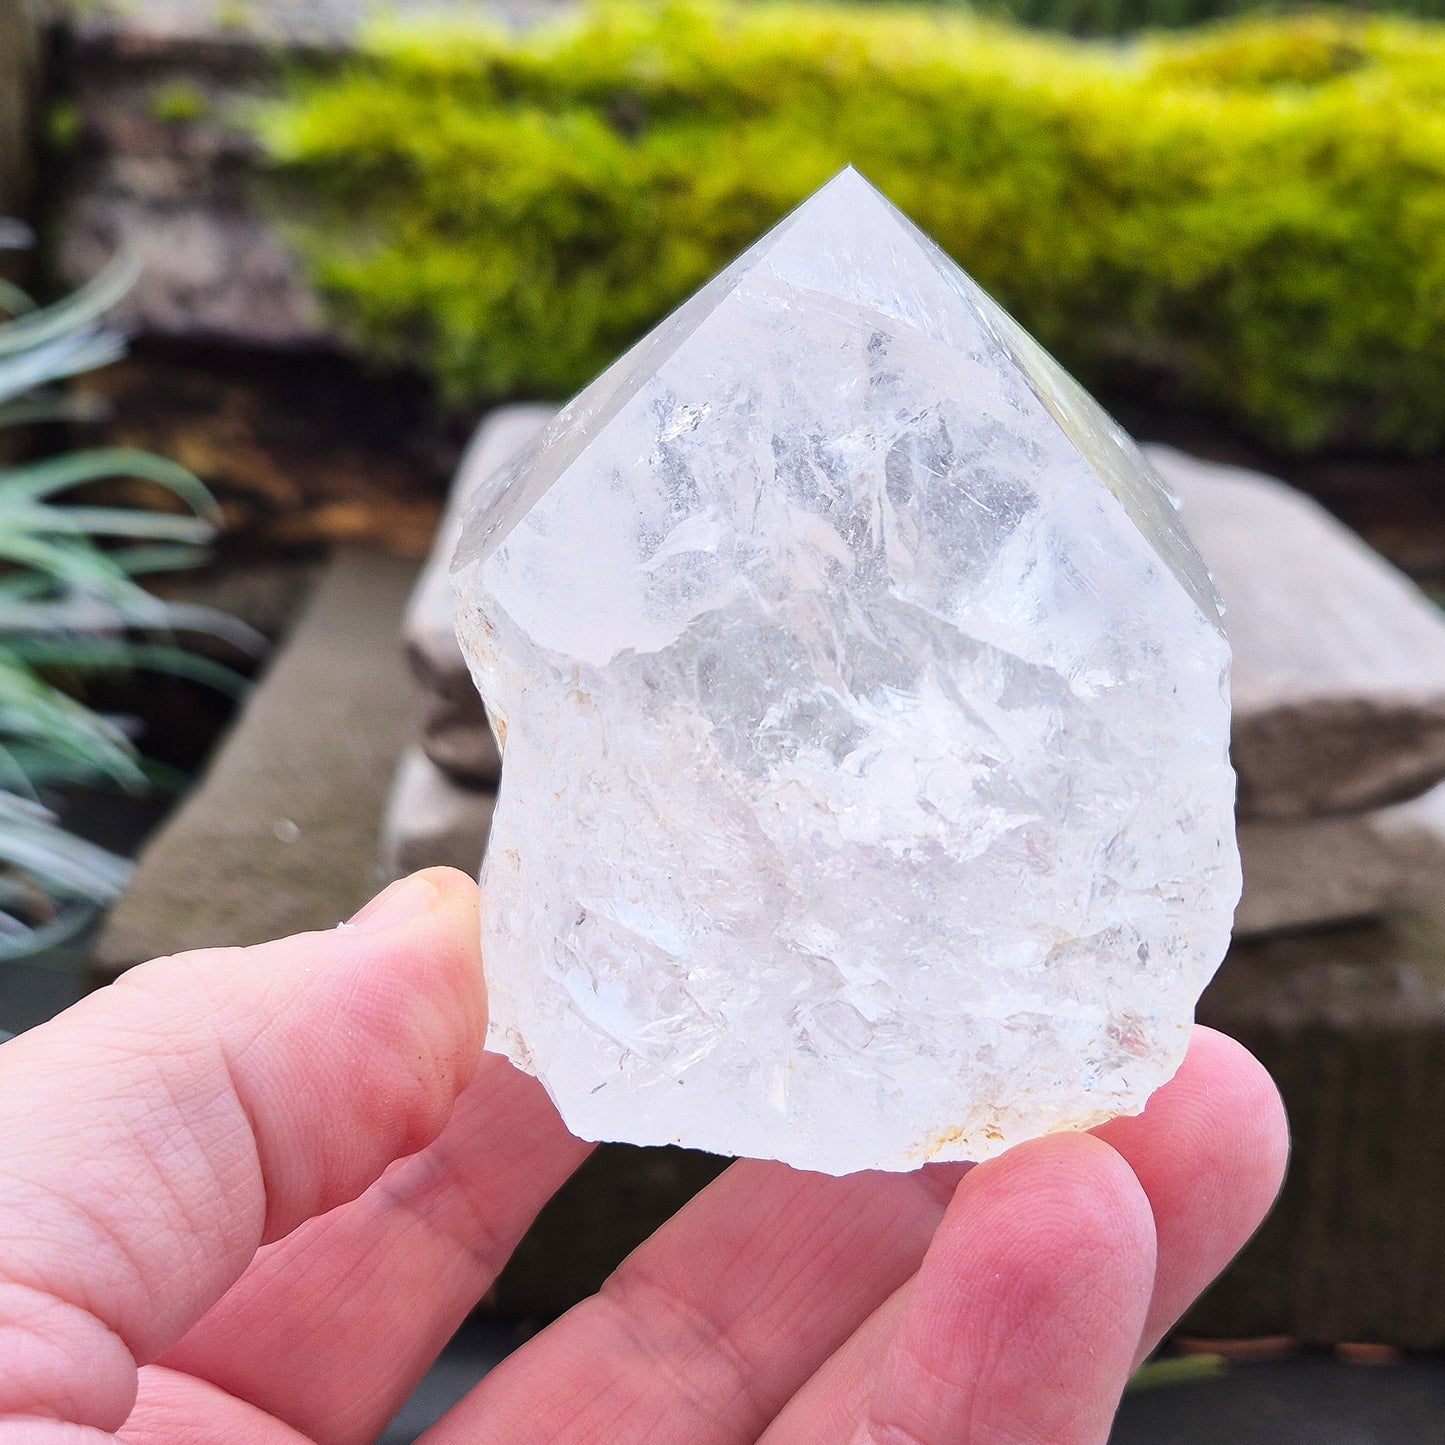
x=161 y=1130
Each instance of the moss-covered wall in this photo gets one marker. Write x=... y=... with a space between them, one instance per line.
x=1247 y=218
x=1119 y=17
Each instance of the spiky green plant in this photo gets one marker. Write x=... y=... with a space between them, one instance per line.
x=70 y=602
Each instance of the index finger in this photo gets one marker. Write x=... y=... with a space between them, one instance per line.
x=160 y=1131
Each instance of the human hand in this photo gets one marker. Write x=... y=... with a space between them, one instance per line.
x=247 y=1195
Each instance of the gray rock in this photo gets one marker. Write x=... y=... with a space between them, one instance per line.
x=178 y=190
x=431 y=820
x=209 y=270
x=1331 y=870
x=282 y=834
x=1339 y=660
x=455 y=733
x=1350 y=1022
x=303 y=23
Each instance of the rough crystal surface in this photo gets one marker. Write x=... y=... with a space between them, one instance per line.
x=866 y=796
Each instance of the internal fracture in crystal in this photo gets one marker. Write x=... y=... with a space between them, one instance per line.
x=866 y=796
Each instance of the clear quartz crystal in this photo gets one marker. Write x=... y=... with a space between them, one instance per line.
x=866 y=798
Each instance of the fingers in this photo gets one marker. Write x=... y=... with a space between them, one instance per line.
x=160 y=1131
x=1041 y=1350
x=177 y=1409
x=833 y=1401
x=709 y=1327
x=749 y=1289
x=1025 y=1314
x=1210 y=1150
x=297 y=1337
x=331 y=1327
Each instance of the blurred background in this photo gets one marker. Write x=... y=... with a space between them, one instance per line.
x=278 y=279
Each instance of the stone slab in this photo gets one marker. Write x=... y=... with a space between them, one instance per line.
x=1332 y=870
x=455 y=733
x=1324 y=870
x=431 y=821
x=175 y=190
x=1350 y=1023
x=1339 y=677
x=282 y=834
x=178 y=191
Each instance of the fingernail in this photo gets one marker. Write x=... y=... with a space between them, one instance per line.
x=404 y=900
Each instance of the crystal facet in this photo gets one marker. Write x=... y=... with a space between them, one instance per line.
x=866 y=795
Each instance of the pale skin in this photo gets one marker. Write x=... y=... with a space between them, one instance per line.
x=246 y=1196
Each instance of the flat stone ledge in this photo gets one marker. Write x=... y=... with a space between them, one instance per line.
x=1339 y=675
x=455 y=732
x=1339 y=672
x=179 y=193
x=1335 y=870
x=282 y=834
x=432 y=821
x=1350 y=1024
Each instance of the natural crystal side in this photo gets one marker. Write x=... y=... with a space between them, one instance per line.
x=866 y=797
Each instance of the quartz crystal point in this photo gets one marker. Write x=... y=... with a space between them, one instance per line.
x=866 y=796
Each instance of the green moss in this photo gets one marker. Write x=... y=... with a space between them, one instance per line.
x=179 y=102
x=234 y=15
x=64 y=124
x=1121 y=17
x=1247 y=218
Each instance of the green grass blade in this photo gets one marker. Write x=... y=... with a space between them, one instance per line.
x=107 y=522
x=56 y=474
x=1177 y=1370
x=92 y=653
x=84 y=567
x=71 y=919
x=63 y=862
x=143 y=561
x=13 y=299
x=22 y=620
x=72 y=314
x=65 y=356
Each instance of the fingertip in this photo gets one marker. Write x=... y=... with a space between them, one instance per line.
x=453 y=887
x=1210 y=1150
x=415 y=980
x=421 y=936
x=365 y=1033
x=1066 y=1192
x=1240 y=1087
x=447 y=936
x=415 y=897
x=1220 y=1116
x=1071 y=1229
x=1046 y=1215
x=1049 y=1245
